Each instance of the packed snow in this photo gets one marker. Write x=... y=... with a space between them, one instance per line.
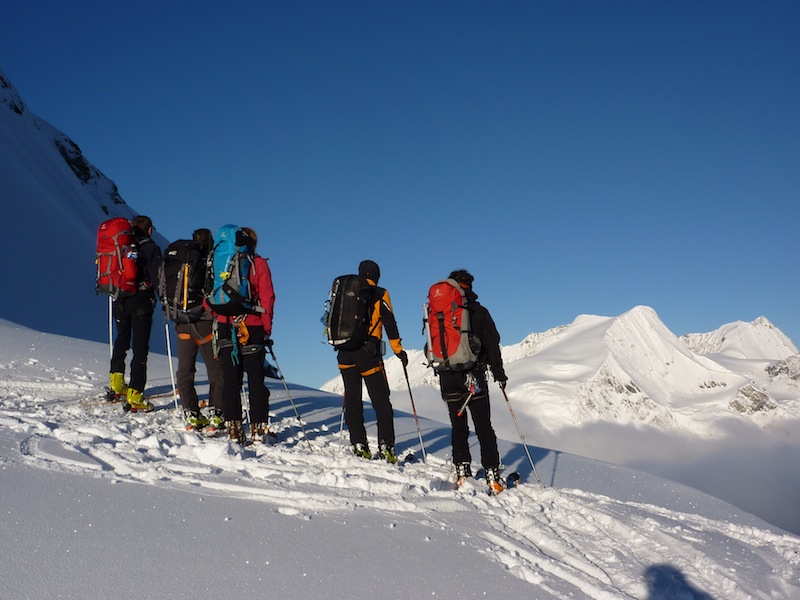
x=100 y=503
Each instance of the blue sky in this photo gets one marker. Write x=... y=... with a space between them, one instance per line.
x=577 y=157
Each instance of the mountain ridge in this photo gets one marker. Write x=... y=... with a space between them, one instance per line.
x=55 y=198
x=632 y=369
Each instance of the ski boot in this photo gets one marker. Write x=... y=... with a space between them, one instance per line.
x=386 y=452
x=236 y=432
x=463 y=472
x=215 y=422
x=493 y=481
x=117 y=388
x=194 y=420
x=258 y=431
x=136 y=402
x=362 y=450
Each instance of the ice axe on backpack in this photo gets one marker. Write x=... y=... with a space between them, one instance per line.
x=473 y=389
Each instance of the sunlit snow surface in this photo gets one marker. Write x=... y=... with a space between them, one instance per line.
x=97 y=501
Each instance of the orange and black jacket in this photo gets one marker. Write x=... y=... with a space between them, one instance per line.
x=383 y=316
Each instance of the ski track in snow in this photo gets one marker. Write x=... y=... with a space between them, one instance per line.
x=567 y=542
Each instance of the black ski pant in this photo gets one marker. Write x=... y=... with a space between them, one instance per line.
x=236 y=360
x=134 y=318
x=455 y=390
x=194 y=338
x=365 y=365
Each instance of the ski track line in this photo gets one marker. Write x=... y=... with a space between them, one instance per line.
x=44 y=385
x=667 y=530
x=112 y=448
x=549 y=552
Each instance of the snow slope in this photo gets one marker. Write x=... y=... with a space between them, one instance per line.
x=133 y=506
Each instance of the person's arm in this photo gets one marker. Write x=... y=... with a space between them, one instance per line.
x=490 y=344
x=392 y=332
x=266 y=293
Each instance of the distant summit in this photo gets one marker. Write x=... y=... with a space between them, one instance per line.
x=757 y=339
x=632 y=370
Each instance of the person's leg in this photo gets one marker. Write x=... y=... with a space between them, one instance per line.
x=123 y=340
x=378 y=390
x=253 y=356
x=354 y=408
x=213 y=365
x=480 y=409
x=232 y=374
x=141 y=325
x=460 y=434
x=187 y=357
x=454 y=392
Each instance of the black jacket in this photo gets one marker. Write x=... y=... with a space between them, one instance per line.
x=485 y=330
x=147 y=263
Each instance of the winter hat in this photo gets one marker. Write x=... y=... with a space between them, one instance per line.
x=250 y=238
x=369 y=269
x=203 y=238
x=463 y=277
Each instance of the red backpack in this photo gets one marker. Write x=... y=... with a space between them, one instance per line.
x=447 y=323
x=117 y=253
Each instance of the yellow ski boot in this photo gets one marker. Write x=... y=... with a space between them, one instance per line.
x=136 y=402
x=117 y=388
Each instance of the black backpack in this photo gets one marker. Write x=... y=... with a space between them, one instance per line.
x=181 y=278
x=348 y=312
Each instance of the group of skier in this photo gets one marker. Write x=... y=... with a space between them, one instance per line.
x=222 y=306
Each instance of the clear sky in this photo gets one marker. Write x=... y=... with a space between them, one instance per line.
x=577 y=157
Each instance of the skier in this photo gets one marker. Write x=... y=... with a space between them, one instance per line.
x=193 y=336
x=248 y=353
x=134 y=318
x=458 y=386
x=366 y=364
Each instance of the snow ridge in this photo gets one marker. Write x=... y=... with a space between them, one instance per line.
x=757 y=339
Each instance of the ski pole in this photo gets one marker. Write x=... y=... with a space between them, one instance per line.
x=110 y=328
x=169 y=357
x=416 y=419
x=288 y=393
x=521 y=437
x=341 y=424
x=245 y=402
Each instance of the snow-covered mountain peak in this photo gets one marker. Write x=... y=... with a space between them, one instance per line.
x=49 y=187
x=758 y=339
x=9 y=96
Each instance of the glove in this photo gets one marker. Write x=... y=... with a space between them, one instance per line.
x=403 y=357
x=500 y=377
x=268 y=341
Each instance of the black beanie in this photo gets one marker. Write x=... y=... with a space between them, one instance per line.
x=463 y=277
x=369 y=269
